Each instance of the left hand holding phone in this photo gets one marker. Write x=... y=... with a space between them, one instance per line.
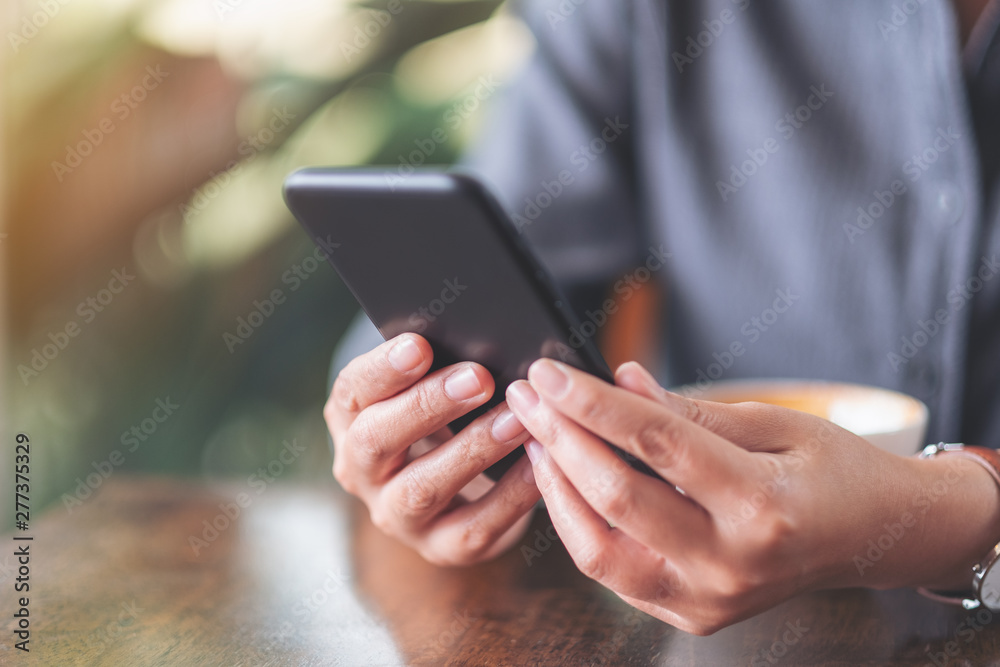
x=423 y=485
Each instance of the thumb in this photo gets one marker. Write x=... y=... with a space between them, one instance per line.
x=752 y=426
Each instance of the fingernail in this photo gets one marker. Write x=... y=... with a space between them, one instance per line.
x=640 y=375
x=646 y=376
x=463 y=385
x=534 y=449
x=506 y=427
x=405 y=355
x=522 y=398
x=549 y=378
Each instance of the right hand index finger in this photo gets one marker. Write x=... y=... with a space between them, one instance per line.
x=377 y=375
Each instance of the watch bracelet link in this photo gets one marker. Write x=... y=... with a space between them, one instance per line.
x=990 y=460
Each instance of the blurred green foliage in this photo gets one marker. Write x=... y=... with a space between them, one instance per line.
x=356 y=83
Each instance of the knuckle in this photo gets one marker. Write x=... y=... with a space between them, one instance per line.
x=731 y=585
x=592 y=562
x=337 y=431
x=696 y=413
x=512 y=493
x=330 y=411
x=560 y=431
x=668 y=588
x=344 y=395
x=663 y=443
x=590 y=405
x=511 y=496
x=418 y=495
x=693 y=412
x=435 y=558
x=519 y=499
x=705 y=628
x=439 y=557
x=476 y=445
x=343 y=478
x=369 y=442
x=777 y=521
x=383 y=521
x=423 y=402
x=474 y=539
x=615 y=500
x=776 y=530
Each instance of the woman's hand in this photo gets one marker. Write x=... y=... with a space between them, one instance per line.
x=775 y=502
x=422 y=485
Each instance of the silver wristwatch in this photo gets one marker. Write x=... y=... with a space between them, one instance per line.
x=986 y=573
x=986 y=582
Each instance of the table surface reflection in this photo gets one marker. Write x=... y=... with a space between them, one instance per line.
x=155 y=571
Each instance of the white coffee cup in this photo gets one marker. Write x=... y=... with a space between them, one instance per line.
x=891 y=421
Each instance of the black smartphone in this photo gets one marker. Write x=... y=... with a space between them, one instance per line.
x=435 y=254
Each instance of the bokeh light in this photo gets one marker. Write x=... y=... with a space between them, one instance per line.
x=151 y=137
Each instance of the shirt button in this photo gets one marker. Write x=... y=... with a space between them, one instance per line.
x=949 y=203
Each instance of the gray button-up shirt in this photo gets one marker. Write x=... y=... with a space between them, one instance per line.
x=822 y=175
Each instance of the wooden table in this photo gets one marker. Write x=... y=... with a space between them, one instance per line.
x=301 y=577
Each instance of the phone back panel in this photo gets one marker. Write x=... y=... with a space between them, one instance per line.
x=436 y=255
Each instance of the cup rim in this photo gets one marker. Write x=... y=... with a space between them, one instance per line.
x=742 y=385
